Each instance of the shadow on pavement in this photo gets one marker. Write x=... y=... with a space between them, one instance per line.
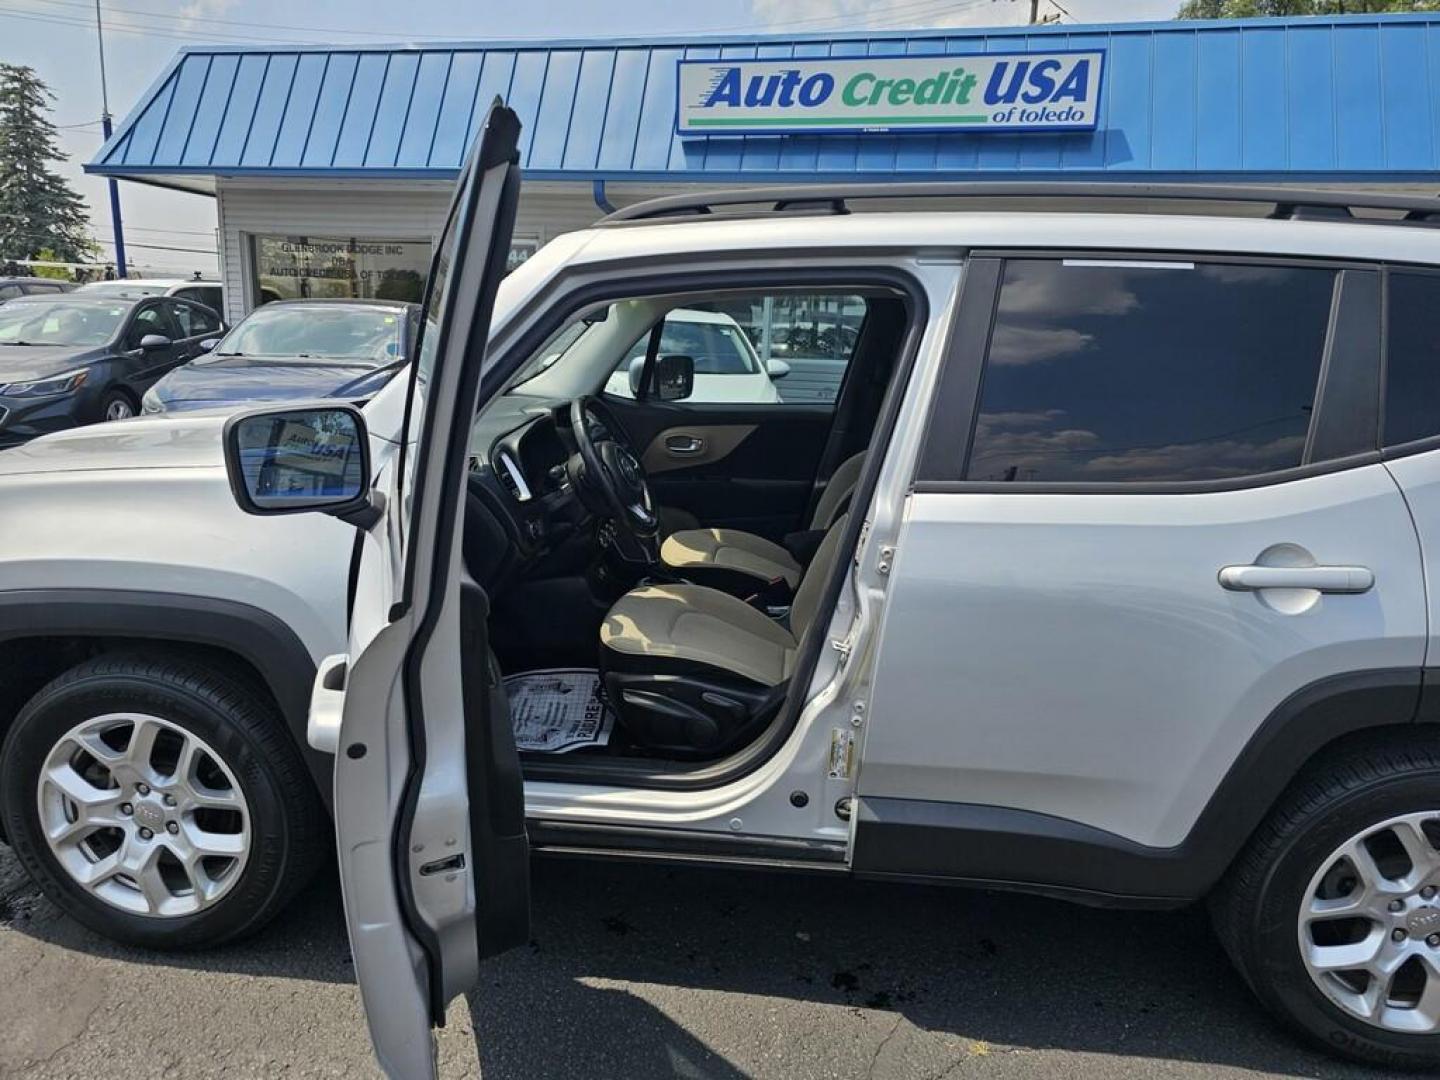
x=609 y=938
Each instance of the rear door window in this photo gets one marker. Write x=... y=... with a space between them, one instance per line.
x=1137 y=371
x=1412 y=358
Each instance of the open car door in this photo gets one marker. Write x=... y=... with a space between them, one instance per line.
x=429 y=803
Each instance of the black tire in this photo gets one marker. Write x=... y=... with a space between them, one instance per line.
x=1255 y=908
x=288 y=823
x=117 y=397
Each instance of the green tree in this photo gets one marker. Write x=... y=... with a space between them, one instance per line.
x=38 y=209
x=1251 y=9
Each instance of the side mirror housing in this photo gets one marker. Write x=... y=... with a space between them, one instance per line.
x=151 y=342
x=209 y=344
x=291 y=461
x=777 y=369
x=674 y=377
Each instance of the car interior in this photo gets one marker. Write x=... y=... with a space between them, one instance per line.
x=656 y=560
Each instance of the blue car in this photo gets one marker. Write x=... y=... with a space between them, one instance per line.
x=295 y=349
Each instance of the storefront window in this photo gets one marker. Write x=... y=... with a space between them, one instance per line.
x=302 y=267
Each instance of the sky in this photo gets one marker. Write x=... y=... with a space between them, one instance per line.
x=169 y=231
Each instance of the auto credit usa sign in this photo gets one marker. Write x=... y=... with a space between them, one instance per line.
x=1053 y=91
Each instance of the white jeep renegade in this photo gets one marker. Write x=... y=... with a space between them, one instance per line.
x=1108 y=572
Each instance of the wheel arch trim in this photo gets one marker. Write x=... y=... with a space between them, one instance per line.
x=251 y=634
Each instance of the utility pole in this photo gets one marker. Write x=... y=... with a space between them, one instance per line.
x=116 y=225
x=1034 y=10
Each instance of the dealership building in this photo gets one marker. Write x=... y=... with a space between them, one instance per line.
x=332 y=168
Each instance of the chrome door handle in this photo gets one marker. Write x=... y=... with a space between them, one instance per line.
x=1325 y=579
x=684 y=444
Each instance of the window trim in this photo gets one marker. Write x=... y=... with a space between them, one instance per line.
x=955 y=411
x=1427 y=442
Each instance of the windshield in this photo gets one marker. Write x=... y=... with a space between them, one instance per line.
x=60 y=322
x=318 y=332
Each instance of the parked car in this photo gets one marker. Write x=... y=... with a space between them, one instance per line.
x=1126 y=601
x=74 y=359
x=727 y=367
x=295 y=349
x=12 y=288
x=201 y=291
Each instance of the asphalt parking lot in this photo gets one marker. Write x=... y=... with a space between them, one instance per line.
x=639 y=971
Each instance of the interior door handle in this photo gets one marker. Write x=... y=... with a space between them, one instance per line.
x=684 y=444
x=1325 y=579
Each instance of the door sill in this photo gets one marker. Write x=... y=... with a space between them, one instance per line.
x=548 y=836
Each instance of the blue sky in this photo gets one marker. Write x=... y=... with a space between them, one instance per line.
x=57 y=38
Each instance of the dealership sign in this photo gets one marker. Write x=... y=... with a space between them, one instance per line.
x=1048 y=91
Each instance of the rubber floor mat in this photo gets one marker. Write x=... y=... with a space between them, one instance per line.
x=558 y=710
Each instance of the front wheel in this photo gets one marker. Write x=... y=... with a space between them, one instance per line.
x=117 y=405
x=1332 y=914
x=160 y=803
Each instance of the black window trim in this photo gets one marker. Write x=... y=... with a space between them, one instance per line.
x=950 y=427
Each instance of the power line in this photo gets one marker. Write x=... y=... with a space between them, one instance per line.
x=327 y=30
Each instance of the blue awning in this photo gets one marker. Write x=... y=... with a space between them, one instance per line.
x=1348 y=98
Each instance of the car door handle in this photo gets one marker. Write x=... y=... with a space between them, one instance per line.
x=684 y=444
x=1325 y=579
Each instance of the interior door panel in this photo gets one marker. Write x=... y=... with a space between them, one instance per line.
x=761 y=482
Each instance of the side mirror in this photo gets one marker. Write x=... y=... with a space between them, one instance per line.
x=288 y=461
x=674 y=377
x=776 y=369
x=151 y=342
x=209 y=344
x=637 y=373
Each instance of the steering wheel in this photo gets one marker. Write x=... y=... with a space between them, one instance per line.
x=610 y=473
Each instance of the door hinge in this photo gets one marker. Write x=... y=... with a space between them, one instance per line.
x=843 y=647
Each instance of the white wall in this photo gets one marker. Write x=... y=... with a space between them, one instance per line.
x=366 y=209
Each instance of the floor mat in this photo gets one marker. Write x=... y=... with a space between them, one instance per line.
x=558 y=710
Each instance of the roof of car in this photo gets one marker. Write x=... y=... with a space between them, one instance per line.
x=147 y=283
x=74 y=297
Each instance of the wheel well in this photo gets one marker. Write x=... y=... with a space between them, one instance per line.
x=28 y=663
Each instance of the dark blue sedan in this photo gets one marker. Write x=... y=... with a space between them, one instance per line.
x=74 y=359
x=292 y=349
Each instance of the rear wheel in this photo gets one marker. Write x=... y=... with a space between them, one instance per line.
x=159 y=802
x=1332 y=914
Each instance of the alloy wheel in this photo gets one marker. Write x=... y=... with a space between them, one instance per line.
x=118 y=409
x=144 y=815
x=1370 y=925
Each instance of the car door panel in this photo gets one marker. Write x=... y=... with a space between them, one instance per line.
x=761 y=483
x=429 y=799
x=1078 y=656
x=144 y=367
x=1102 y=651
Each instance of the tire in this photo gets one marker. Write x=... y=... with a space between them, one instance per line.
x=1375 y=793
x=117 y=405
x=248 y=795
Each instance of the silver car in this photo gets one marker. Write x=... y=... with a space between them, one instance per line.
x=1108 y=574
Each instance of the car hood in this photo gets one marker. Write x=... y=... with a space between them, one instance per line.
x=160 y=442
x=22 y=363
x=204 y=384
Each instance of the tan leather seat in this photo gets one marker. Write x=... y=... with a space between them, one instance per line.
x=691 y=629
x=737 y=561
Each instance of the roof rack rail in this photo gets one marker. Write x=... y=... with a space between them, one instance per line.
x=1285 y=202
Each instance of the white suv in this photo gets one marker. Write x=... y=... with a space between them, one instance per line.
x=1104 y=576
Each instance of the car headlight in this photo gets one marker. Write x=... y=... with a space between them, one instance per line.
x=67 y=383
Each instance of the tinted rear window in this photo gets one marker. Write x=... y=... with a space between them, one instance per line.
x=1412 y=378
x=1108 y=372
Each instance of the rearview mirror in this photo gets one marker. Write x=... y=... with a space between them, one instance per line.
x=776 y=369
x=150 y=342
x=288 y=461
x=674 y=377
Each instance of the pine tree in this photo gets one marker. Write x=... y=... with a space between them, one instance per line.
x=38 y=209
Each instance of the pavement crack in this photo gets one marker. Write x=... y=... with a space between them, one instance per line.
x=880 y=1047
